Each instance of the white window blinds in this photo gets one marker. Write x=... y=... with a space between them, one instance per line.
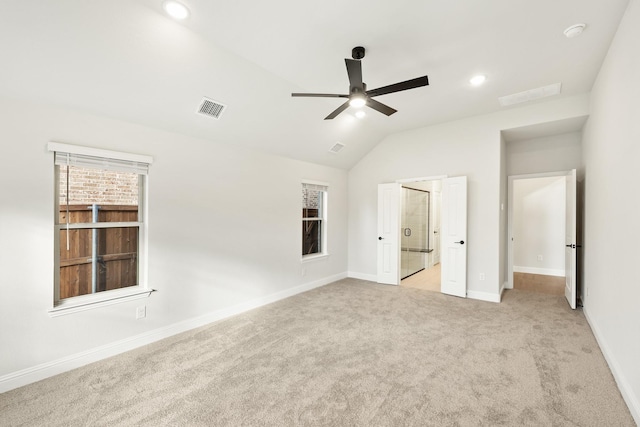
x=315 y=187
x=100 y=159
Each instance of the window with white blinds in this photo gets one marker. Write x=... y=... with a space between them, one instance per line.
x=116 y=165
x=100 y=211
x=314 y=219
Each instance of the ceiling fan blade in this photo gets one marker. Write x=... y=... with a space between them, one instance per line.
x=397 y=87
x=354 y=70
x=337 y=111
x=379 y=106
x=320 y=95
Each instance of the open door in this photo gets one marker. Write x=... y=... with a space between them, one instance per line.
x=389 y=234
x=453 y=239
x=570 y=240
x=436 y=213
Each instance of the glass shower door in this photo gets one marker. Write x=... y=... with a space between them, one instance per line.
x=414 y=233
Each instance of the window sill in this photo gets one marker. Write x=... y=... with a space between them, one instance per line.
x=88 y=302
x=313 y=257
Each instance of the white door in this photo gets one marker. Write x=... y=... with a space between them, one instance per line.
x=453 y=238
x=570 y=240
x=437 y=202
x=389 y=234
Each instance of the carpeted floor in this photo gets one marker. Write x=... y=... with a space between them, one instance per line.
x=352 y=353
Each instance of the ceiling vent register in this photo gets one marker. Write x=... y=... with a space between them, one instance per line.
x=530 y=95
x=210 y=108
x=336 y=147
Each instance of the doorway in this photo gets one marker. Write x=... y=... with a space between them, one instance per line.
x=453 y=234
x=542 y=234
x=420 y=235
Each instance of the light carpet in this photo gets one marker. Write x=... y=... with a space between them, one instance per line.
x=351 y=353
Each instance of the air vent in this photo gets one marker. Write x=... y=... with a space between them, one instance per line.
x=336 y=147
x=210 y=108
x=530 y=95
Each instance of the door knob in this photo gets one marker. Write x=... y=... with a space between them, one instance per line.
x=379 y=238
x=571 y=246
x=461 y=242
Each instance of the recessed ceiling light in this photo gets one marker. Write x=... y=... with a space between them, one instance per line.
x=360 y=114
x=175 y=9
x=574 y=30
x=478 y=80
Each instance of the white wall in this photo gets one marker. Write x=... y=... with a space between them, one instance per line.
x=611 y=233
x=224 y=230
x=547 y=154
x=468 y=147
x=539 y=225
x=503 y=255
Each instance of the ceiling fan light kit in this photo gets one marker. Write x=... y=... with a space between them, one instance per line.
x=358 y=95
x=357 y=100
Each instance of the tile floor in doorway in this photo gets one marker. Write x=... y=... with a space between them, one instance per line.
x=427 y=279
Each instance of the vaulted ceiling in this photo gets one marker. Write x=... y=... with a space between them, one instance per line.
x=127 y=59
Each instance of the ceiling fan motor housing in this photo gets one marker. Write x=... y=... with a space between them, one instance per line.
x=357 y=52
x=356 y=89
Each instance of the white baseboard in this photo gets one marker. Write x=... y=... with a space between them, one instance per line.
x=483 y=296
x=363 y=276
x=55 y=367
x=628 y=395
x=502 y=288
x=536 y=270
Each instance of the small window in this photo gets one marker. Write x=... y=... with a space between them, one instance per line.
x=314 y=219
x=99 y=222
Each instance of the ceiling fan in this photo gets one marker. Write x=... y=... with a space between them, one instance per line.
x=358 y=95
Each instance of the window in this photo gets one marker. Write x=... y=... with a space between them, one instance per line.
x=100 y=224
x=314 y=219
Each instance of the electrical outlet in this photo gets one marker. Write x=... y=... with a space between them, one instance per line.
x=141 y=312
x=481 y=276
x=539 y=257
x=304 y=272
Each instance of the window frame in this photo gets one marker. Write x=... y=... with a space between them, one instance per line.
x=107 y=297
x=322 y=217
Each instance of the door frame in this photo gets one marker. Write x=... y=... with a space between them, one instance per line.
x=511 y=179
x=407 y=181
